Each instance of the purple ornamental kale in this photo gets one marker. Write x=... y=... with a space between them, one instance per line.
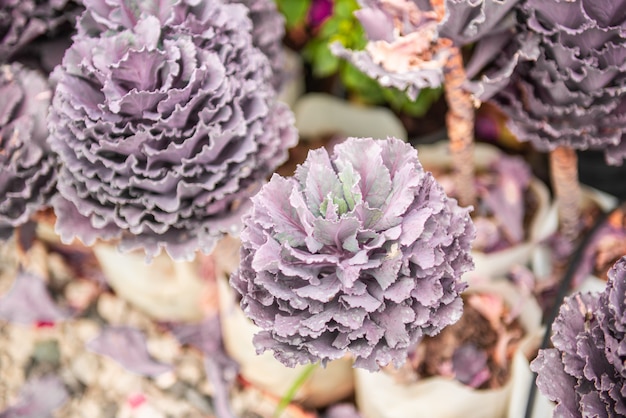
x=361 y=252
x=27 y=167
x=166 y=123
x=268 y=30
x=573 y=95
x=585 y=372
x=402 y=49
x=21 y=21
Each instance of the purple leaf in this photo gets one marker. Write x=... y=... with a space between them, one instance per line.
x=467 y=21
x=127 y=346
x=378 y=25
x=505 y=197
x=220 y=368
x=29 y=302
x=555 y=384
x=470 y=365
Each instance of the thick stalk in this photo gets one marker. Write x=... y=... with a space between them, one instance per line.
x=564 y=176
x=460 y=124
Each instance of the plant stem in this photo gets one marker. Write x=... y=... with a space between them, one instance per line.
x=564 y=176
x=460 y=124
x=293 y=389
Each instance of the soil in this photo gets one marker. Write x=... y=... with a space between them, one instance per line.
x=531 y=204
x=612 y=245
x=433 y=354
x=298 y=154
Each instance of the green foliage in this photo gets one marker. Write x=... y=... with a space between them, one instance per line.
x=293 y=389
x=293 y=10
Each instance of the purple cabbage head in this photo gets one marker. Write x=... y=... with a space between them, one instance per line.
x=402 y=49
x=360 y=252
x=27 y=167
x=166 y=122
x=22 y=21
x=585 y=372
x=574 y=93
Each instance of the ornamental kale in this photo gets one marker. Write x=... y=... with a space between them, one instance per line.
x=403 y=50
x=166 y=122
x=360 y=252
x=573 y=94
x=27 y=167
x=585 y=372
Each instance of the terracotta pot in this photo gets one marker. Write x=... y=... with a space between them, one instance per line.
x=497 y=263
x=380 y=395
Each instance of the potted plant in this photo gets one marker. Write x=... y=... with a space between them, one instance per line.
x=605 y=247
x=514 y=212
x=359 y=253
x=473 y=362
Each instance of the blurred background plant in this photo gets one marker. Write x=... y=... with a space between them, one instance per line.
x=312 y=25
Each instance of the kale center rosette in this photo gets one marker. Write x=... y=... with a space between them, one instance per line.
x=166 y=122
x=359 y=253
